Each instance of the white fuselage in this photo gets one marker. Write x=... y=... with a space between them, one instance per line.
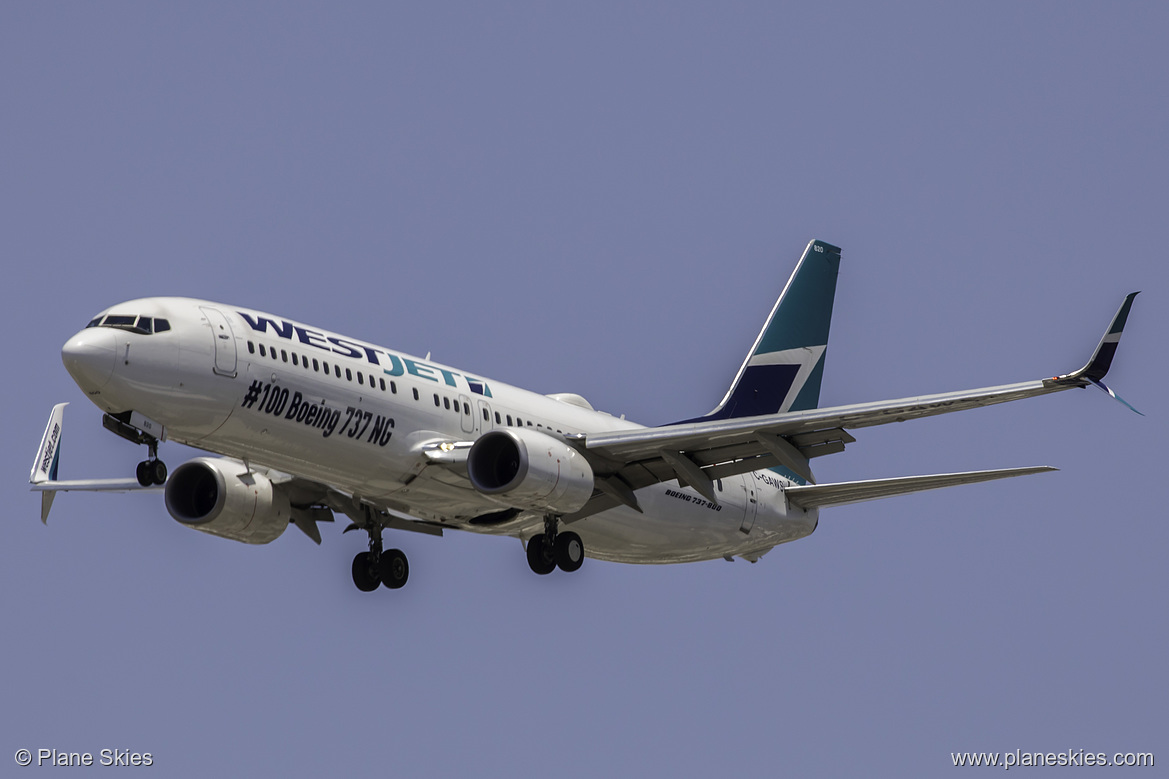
x=355 y=416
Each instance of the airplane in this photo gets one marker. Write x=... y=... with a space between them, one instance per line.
x=305 y=424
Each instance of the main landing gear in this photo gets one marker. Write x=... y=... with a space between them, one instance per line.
x=390 y=568
x=552 y=549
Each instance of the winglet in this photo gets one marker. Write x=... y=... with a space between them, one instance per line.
x=48 y=459
x=1097 y=367
x=1101 y=361
x=44 y=467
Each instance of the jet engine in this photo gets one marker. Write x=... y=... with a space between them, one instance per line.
x=223 y=498
x=530 y=470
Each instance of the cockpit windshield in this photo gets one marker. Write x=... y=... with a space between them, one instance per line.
x=136 y=324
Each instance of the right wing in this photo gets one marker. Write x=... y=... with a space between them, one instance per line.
x=43 y=477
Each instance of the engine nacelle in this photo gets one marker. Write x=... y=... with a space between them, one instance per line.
x=529 y=470
x=222 y=498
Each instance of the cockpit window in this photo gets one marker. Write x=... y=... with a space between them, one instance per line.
x=135 y=324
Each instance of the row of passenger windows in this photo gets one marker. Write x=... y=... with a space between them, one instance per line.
x=145 y=325
x=377 y=382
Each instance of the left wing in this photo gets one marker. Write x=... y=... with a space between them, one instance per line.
x=698 y=453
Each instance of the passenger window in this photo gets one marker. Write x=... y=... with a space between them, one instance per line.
x=263 y=351
x=284 y=355
x=497 y=417
x=416 y=393
x=447 y=403
x=509 y=420
x=317 y=366
x=519 y=422
x=294 y=362
x=486 y=416
x=381 y=383
x=393 y=387
x=466 y=409
x=304 y=361
x=348 y=375
x=337 y=370
x=361 y=378
x=436 y=401
x=251 y=348
x=273 y=352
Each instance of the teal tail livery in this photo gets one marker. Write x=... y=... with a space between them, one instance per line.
x=300 y=425
x=784 y=368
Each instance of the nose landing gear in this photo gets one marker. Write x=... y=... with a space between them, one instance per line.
x=151 y=471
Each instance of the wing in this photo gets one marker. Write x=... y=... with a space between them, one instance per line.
x=43 y=478
x=698 y=453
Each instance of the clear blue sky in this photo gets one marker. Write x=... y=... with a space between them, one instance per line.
x=604 y=198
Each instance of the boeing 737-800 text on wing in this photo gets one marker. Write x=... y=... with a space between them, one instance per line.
x=306 y=423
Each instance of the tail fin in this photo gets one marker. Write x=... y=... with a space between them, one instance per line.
x=783 y=370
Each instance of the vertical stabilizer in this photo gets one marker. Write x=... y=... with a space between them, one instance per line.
x=783 y=370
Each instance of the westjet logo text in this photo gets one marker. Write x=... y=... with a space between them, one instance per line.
x=390 y=363
x=50 y=449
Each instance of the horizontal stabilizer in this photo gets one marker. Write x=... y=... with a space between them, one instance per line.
x=821 y=495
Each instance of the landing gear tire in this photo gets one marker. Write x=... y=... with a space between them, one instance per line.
x=568 y=552
x=539 y=558
x=364 y=575
x=151 y=472
x=393 y=569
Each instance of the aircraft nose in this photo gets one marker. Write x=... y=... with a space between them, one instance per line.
x=89 y=357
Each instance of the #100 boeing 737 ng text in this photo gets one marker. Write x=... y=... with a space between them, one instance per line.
x=307 y=423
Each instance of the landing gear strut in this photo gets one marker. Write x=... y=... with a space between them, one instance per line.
x=552 y=549
x=389 y=568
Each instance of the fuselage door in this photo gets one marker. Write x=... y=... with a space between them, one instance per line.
x=224 y=340
x=466 y=414
x=484 y=417
x=751 y=502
